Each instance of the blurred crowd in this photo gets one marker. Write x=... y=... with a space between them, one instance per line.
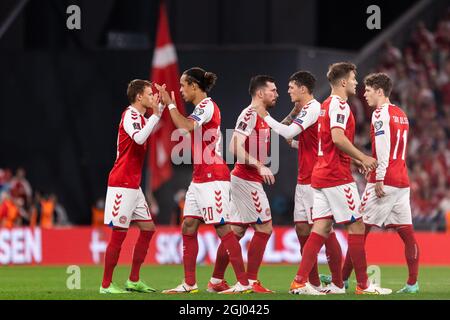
x=421 y=75
x=20 y=206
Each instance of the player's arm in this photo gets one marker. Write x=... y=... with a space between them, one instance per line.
x=382 y=149
x=133 y=127
x=292 y=115
x=237 y=148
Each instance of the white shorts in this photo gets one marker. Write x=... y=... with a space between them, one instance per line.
x=391 y=210
x=124 y=205
x=340 y=203
x=304 y=200
x=208 y=201
x=249 y=203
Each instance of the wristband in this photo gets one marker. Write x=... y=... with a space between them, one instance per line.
x=171 y=106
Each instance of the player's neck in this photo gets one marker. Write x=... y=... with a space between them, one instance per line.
x=199 y=98
x=304 y=100
x=383 y=102
x=340 y=93
x=139 y=108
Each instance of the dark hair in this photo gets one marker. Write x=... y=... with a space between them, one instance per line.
x=205 y=80
x=136 y=87
x=340 y=70
x=257 y=82
x=304 y=78
x=379 y=81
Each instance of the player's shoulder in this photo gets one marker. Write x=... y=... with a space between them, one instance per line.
x=130 y=112
x=381 y=112
x=339 y=103
x=312 y=105
x=206 y=103
x=248 y=113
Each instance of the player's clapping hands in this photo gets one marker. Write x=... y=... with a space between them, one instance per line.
x=154 y=104
x=166 y=99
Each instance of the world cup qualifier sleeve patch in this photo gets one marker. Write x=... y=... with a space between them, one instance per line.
x=242 y=126
x=136 y=126
x=340 y=118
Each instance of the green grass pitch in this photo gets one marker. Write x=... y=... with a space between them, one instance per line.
x=37 y=282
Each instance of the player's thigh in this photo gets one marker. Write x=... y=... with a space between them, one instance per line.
x=376 y=210
x=249 y=202
x=401 y=211
x=213 y=201
x=321 y=207
x=191 y=208
x=119 y=206
x=141 y=215
x=304 y=200
x=344 y=202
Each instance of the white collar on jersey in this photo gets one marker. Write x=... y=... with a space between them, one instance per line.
x=133 y=108
x=312 y=100
x=336 y=96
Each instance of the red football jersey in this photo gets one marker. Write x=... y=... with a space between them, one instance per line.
x=389 y=135
x=207 y=144
x=127 y=169
x=257 y=143
x=307 y=140
x=333 y=166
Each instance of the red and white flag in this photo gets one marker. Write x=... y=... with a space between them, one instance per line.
x=164 y=70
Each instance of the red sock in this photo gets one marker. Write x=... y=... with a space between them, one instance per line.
x=411 y=252
x=348 y=264
x=190 y=252
x=112 y=255
x=313 y=277
x=334 y=258
x=358 y=256
x=233 y=248
x=256 y=253
x=139 y=253
x=222 y=260
x=309 y=258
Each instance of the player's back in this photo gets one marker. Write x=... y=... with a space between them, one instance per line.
x=307 y=141
x=127 y=169
x=257 y=144
x=207 y=146
x=390 y=127
x=333 y=165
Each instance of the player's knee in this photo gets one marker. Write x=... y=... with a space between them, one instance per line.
x=302 y=229
x=357 y=227
x=189 y=226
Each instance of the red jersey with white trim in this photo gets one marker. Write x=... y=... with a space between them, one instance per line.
x=257 y=143
x=389 y=135
x=307 y=140
x=127 y=169
x=207 y=144
x=333 y=165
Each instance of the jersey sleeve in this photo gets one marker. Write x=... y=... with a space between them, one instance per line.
x=133 y=127
x=339 y=113
x=381 y=129
x=308 y=116
x=202 y=113
x=246 y=122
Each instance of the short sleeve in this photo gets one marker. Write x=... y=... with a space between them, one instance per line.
x=339 y=113
x=132 y=122
x=203 y=112
x=308 y=116
x=246 y=122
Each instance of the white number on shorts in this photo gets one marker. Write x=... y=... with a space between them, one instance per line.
x=405 y=138
x=208 y=214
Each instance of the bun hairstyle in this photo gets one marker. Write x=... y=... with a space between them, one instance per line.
x=205 y=80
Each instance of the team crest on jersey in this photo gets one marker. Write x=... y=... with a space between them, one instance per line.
x=378 y=125
x=303 y=113
x=268 y=212
x=340 y=118
x=199 y=112
x=123 y=219
x=242 y=126
x=137 y=126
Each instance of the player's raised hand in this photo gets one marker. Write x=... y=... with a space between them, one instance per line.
x=165 y=98
x=267 y=175
x=154 y=104
x=379 y=189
